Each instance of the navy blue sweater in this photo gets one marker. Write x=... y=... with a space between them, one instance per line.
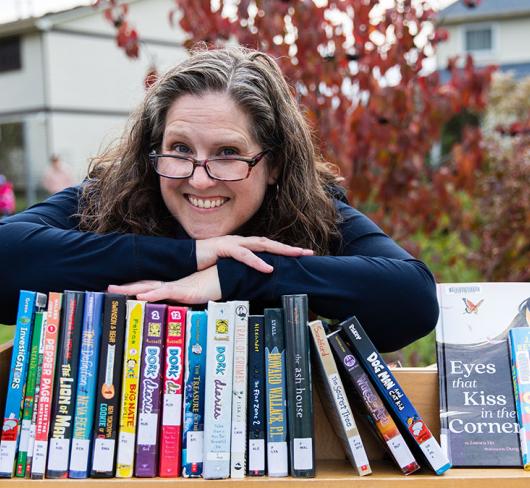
x=392 y=294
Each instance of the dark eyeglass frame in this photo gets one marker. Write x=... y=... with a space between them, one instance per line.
x=153 y=158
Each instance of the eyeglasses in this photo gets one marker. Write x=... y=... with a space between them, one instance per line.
x=223 y=169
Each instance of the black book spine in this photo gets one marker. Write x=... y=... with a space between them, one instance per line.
x=299 y=389
x=65 y=384
x=256 y=396
x=410 y=423
x=109 y=387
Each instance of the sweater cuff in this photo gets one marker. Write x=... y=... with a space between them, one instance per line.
x=240 y=282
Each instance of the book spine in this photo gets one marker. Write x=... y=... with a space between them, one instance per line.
x=109 y=386
x=17 y=381
x=150 y=391
x=42 y=427
x=519 y=342
x=239 y=392
x=86 y=386
x=299 y=391
x=61 y=428
x=406 y=416
x=276 y=393
x=33 y=424
x=256 y=396
x=129 y=392
x=336 y=402
x=379 y=417
x=218 y=384
x=194 y=394
x=29 y=396
x=170 y=430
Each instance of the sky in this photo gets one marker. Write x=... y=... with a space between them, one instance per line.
x=15 y=9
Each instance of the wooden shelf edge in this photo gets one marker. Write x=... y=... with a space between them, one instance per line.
x=331 y=474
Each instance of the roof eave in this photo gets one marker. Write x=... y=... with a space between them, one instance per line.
x=467 y=19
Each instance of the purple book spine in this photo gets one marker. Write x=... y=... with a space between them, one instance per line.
x=150 y=391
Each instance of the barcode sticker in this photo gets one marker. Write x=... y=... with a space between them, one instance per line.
x=522 y=362
x=171 y=414
x=256 y=454
x=459 y=290
x=303 y=453
x=103 y=455
x=194 y=442
x=58 y=457
x=79 y=457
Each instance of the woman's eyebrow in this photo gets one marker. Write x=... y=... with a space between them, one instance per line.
x=228 y=140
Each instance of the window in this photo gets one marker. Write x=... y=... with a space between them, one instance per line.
x=10 y=59
x=479 y=39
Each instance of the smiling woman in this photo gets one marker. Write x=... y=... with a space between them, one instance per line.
x=216 y=191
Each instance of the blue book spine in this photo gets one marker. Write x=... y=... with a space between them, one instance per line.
x=277 y=440
x=519 y=340
x=193 y=410
x=409 y=421
x=17 y=382
x=86 y=385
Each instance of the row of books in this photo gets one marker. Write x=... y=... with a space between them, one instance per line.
x=483 y=353
x=103 y=386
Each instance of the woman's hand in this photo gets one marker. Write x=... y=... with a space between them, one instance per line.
x=208 y=251
x=196 y=288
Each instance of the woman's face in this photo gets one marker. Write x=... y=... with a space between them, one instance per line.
x=211 y=125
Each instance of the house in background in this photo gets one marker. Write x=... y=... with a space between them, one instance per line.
x=67 y=89
x=494 y=32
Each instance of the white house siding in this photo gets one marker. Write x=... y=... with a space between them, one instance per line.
x=511 y=38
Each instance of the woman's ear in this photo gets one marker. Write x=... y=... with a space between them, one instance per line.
x=273 y=175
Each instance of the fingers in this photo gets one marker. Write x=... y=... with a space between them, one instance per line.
x=263 y=244
x=247 y=257
x=135 y=288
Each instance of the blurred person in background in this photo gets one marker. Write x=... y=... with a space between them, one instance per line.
x=7 y=197
x=57 y=176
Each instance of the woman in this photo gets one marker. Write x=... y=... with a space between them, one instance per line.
x=217 y=192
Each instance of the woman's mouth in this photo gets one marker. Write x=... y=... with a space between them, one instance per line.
x=206 y=202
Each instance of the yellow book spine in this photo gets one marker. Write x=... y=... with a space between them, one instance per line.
x=130 y=385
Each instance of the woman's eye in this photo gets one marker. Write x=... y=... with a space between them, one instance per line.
x=181 y=148
x=228 y=151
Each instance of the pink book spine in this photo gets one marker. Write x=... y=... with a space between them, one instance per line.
x=40 y=446
x=171 y=430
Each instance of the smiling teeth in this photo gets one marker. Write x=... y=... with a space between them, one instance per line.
x=198 y=202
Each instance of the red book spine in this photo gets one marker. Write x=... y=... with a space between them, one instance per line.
x=171 y=430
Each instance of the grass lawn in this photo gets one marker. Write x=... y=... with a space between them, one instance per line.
x=6 y=333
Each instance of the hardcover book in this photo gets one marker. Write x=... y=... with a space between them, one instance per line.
x=42 y=426
x=146 y=465
x=364 y=394
x=129 y=388
x=218 y=385
x=410 y=423
x=519 y=339
x=62 y=425
x=193 y=410
x=239 y=392
x=28 y=301
x=477 y=409
x=171 y=428
x=29 y=400
x=299 y=386
x=256 y=414
x=86 y=385
x=109 y=386
x=276 y=393
x=335 y=401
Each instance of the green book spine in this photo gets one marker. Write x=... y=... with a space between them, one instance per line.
x=40 y=318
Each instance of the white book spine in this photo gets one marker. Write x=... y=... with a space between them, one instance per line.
x=218 y=385
x=239 y=391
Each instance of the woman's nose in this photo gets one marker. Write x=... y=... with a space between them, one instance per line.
x=200 y=178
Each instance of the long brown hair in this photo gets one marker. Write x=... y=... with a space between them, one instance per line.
x=122 y=193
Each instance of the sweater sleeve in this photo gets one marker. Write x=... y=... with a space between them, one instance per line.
x=41 y=250
x=392 y=294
